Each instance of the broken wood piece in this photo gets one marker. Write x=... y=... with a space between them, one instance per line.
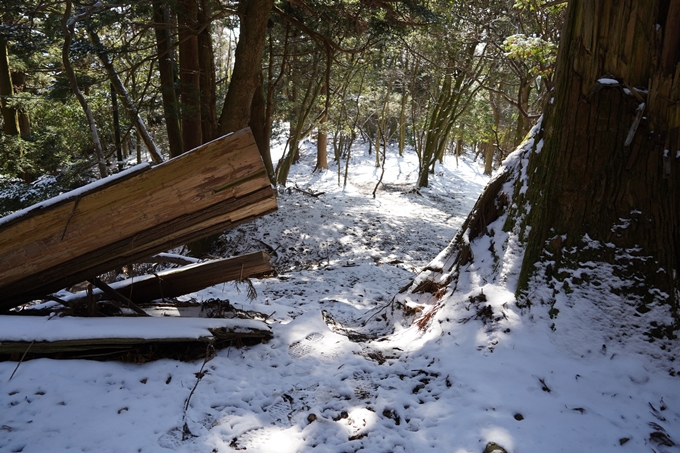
x=138 y=339
x=115 y=222
x=106 y=289
x=187 y=279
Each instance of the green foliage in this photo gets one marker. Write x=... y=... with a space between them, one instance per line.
x=537 y=54
x=59 y=137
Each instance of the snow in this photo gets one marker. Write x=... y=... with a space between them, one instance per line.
x=347 y=370
x=608 y=81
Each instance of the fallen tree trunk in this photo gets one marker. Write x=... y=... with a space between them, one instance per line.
x=144 y=339
x=187 y=279
x=148 y=210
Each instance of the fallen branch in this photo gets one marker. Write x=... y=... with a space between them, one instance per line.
x=117 y=296
x=20 y=361
x=306 y=192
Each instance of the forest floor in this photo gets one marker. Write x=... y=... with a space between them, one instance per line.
x=345 y=371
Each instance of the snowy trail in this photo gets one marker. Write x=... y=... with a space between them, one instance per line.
x=320 y=385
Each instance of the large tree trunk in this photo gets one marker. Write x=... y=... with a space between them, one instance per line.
x=254 y=15
x=206 y=60
x=590 y=202
x=166 y=69
x=189 y=74
x=610 y=168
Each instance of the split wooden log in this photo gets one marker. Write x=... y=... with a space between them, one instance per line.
x=187 y=279
x=114 y=222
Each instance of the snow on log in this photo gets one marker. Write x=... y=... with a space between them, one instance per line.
x=132 y=339
x=97 y=228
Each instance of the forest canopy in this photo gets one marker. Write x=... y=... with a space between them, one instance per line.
x=89 y=87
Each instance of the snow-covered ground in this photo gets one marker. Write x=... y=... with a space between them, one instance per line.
x=344 y=371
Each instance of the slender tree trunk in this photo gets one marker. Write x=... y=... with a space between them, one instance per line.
x=166 y=69
x=261 y=128
x=125 y=97
x=264 y=143
x=322 y=148
x=138 y=147
x=402 y=120
x=19 y=80
x=523 y=122
x=67 y=25
x=377 y=145
x=609 y=172
x=9 y=114
x=116 y=127
x=189 y=74
x=488 y=150
x=254 y=15
x=298 y=132
x=322 y=138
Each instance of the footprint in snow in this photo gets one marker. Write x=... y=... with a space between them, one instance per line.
x=171 y=440
x=280 y=411
x=313 y=343
x=299 y=349
x=303 y=347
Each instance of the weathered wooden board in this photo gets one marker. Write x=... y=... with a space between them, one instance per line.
x=187 y=279
x=207 y=190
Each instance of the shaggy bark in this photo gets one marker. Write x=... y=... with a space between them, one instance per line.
x=592 y=199
x=611 y=151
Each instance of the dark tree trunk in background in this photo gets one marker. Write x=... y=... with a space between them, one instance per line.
x=206 y=60
x=166 y=69
x=254 y=15
x=116 y=128
x=488 y=149
x=189 y=74
x=610 y=166
x=261 y=128
x=9 y=115
x=19 y=82
x=523 y=121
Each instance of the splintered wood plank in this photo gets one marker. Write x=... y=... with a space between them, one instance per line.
x=211 y=188
x=187 y=279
